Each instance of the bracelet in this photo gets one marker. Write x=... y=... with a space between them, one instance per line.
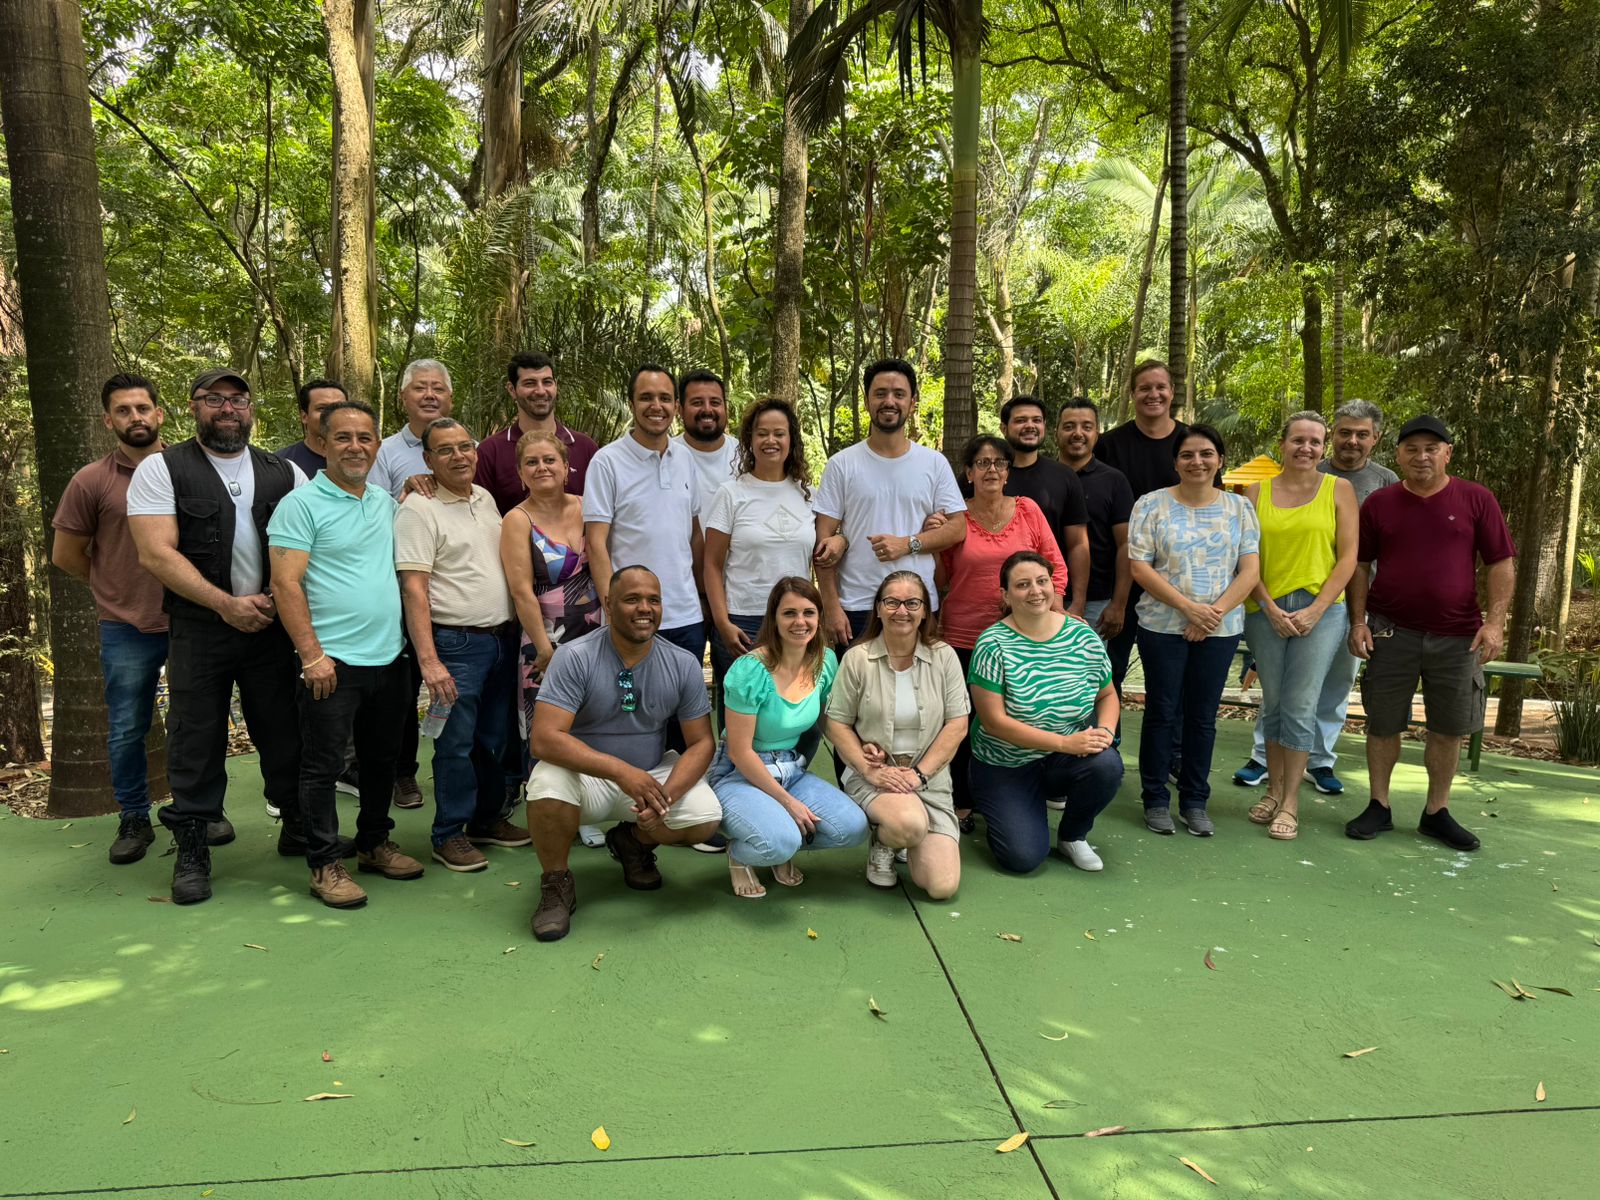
x=918 y=772
x=304 y=667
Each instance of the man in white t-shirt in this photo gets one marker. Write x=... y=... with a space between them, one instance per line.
x=426 y=394
x=874 y=501
x=198 y=514
x=714 y=454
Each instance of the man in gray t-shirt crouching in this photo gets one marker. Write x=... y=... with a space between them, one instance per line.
x=599 y=732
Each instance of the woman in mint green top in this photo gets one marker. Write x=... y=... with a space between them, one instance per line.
x=1295 y=620
x=772 y=807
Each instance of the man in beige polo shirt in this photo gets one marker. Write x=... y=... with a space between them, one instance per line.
x=458 y=611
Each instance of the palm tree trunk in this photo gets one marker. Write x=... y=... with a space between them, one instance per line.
x=1311 y=336
x=66 y=316
x=353 y=348
x=789 y=242
x=502 y=99
x=1178 y=235
x=1151 y=241
x=1338 y=330
x=960 y=406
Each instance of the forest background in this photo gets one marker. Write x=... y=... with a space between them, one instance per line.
x=1295 y=202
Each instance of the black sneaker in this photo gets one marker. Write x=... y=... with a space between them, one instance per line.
x=349 y=781
x=191 y=873
x=638 y=860
x=1448 y=830
x=1374 y=819
x=134 y=836
x=558 y=900
x=219 y=833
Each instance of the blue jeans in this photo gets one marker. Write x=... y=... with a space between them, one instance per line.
x=1183 y=683
x=131 y=663
x=1332 y=704
x=760 y=832
x=1012 y=799
x=724 y=656
x=1293 y=670
x=469 y=785
x=693 y=639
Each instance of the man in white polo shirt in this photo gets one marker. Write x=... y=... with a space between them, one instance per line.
x=458 y=610
x=873 y=501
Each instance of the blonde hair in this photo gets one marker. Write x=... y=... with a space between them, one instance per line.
x=529 y=440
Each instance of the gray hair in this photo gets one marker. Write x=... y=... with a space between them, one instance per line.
x=438 y=425
x=1305 y=414
x=425 y=364
x=1361 y=410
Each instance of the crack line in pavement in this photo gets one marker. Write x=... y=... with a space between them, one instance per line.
x=978 y=1038
x=720 y=1154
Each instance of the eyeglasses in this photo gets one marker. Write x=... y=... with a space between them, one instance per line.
x=630 y=699
x=219 y=400
x=894 y=604
x=990 y=464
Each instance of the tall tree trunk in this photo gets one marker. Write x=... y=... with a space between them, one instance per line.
x=1003 y=321
x=789 y=241
x=960 y=405
x=1192 y=345
x=1178 y=235
x=21 y=735
x=713 y=301
x=1311 y=336
x=66 y=317
x=353 y=349
x=1151 y=241
x=652 y=218
x=1338 y=330
x=502 y=99
x=1573 y=519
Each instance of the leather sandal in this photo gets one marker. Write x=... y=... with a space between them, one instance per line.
x=1285 y=827
x=1265 y=809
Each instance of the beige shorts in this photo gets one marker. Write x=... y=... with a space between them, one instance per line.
x=936 y=798
x=600 y=801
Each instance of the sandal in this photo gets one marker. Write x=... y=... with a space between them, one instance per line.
x=1285 y=827
x=788 y=874
x=742 y=875
x=1265 y=809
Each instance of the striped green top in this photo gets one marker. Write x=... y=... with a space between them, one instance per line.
x=1050 y=685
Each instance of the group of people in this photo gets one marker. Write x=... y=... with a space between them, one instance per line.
x=960 y=644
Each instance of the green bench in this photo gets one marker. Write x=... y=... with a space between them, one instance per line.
x=1499 y=670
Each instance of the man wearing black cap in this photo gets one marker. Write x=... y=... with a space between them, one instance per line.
x=198 y=514
x=1420 y=619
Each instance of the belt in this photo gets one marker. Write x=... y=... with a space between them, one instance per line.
x=903 y=760
x=490 y=630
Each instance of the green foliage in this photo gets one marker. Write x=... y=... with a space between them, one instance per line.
x=1578 y=724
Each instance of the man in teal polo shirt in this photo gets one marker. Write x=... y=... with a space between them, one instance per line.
x=334 y=582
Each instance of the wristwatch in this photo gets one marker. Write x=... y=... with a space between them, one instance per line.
x=916 y=544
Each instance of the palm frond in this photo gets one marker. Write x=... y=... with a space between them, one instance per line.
x=1121 y=181
x=819 y=59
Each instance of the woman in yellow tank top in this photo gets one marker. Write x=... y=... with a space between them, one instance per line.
x=1295 y=620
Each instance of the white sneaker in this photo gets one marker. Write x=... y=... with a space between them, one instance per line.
x=880 y=865
x=1082 y=856
x=273 y=810
x=902 y=856
x=1056 y=804
x=592 y=836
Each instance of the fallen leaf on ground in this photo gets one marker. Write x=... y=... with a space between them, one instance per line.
x=134 y=1113
x=1557 y=990
x=254 y=946
x=1009 y=937
x=1359 y=1053
x=872 y=1007
x=338 y=1083
x=1538 y=1092
x=159 y=899
x=601 y=1139
x=1210 y=966
x=509 y=950
x=1506 y=988
x=1064 y=1104
x=1048 y=1038
x=1197 y=1169
x=1105 y=1131
x=1522 y=992
x=205 y=1193
x=1011 y=1143
x=78 y=845
x=67 y=826
x=514 y=883
x=811 y=933
x=596 y=963
x=514 y=1142
x=332 y=1096
x=1554 y=888
x=326 y=1057
x=1089 y=933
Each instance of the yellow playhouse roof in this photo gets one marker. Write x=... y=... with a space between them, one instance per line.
x=1254 y=471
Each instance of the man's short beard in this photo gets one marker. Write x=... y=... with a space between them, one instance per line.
x=127 y=437
x=899 y=420
x=213 y=438
x=1024 y=447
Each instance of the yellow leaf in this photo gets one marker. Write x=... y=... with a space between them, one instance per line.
x=332 y=1096
x=509 y=950
x=514 y=883
x=872 y=1007
x=812 y=934
x=130 y=1116
x=205 y=1193
x=1089 y=933
x=1359 y=1053
x=1538 y=1092
x=1196 y=1168
x=1048 y=1038
x=1011 y=1143
x=514 y=1142
x=253 y=946
x=596 y=963
x=338 y=1083
x=77 y=845
x=1009 y=937
x=601 y=1139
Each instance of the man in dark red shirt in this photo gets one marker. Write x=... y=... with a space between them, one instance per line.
x=531 y=383
x=1420 y=619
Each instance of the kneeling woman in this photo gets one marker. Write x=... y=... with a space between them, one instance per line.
x=771 y=805
x=1044 y=710
x=898 y=712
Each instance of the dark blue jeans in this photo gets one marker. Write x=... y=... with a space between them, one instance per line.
x=469 y=784
x=723 y=657
x=693 y=639
x=1012 y=801
x=1183 y=683
x=364 y=708
x=130 y=662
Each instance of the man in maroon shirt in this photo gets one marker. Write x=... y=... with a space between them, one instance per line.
x=531 y=383
x=1420 y=618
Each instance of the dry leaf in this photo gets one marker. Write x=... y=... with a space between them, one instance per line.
x=1105 y=1131
x=513 y=883
x=326 y=1057
x=1009 y=937
x=872 y=1007
x=509 y=950
x=514 y=1142
x=1197 y=1169
x=332 y=1096
x=1013 y=1142
x=78 y=845
x=1522 y=992
x=1089 y=933
x=130 y=1116
x=1538 y=1092
x=1359 y=1053
x=1554 y=888
x=1048 y=1038
x=812 y=934
x=601 y=1139
x=1210 y=966
x=1556 y=990
x=1064 y=1104
x=1506 y=988
x=205 y=1193
x=595 y=965
x=338 y=1083
x=159 y=899
x=253 y=946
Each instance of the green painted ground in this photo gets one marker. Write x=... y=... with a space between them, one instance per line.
x=727 y=1054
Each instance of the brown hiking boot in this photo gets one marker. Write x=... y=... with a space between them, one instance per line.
x=501 y=833
x=406 y=792
x=334 y=887
x=389 y=861
x=638 y=860
x=558 y=900
x=458 y=854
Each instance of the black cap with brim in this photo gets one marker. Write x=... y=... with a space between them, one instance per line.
x=1427 y=424
x=216 y=375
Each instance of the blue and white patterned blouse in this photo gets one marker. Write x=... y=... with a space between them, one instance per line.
x=1196 y=550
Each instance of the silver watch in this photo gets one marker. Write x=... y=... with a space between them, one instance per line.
x=916 y=544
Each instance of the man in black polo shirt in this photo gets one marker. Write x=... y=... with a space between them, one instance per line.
x=1109 y=501
x=1053 y=487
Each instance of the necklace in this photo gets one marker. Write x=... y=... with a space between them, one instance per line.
x=234 y=486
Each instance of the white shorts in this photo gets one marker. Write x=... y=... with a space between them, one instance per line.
x=599 y=800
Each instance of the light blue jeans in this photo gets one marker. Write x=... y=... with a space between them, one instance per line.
x=1332 y=705
x=760 y=831
x=1293 y=671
